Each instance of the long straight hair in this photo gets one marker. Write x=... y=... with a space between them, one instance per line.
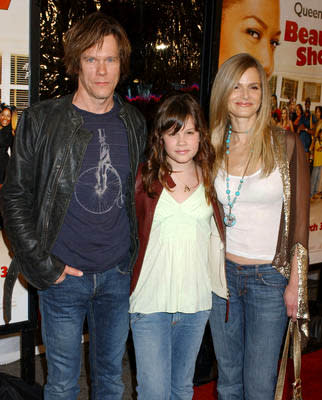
x=261 y=141
x=172 y=115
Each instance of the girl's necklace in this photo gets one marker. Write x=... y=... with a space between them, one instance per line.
x=230 y=219
x=188 y=188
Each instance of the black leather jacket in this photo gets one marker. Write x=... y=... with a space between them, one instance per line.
x=49 y=148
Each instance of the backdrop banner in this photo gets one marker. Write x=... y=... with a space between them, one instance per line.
x=14 y=50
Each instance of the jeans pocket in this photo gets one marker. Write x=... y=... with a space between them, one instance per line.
x=124 y=266
x=135 y=317
x=273 y=279
x=121 y=271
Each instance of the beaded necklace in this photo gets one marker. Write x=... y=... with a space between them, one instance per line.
x=230 y=219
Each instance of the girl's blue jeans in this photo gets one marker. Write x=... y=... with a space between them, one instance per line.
x=166 y=348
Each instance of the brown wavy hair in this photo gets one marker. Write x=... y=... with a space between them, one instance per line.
x=172 y=114
x=89 y=32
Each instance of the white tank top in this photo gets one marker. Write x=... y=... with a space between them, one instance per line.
x=257 y=211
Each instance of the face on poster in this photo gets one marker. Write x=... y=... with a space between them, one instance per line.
x=14 y=33
x=250 y=26
x=284 y=35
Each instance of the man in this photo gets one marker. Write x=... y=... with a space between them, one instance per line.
x=68 y=206
x=306 y=126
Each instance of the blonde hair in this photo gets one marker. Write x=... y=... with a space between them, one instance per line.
x=261 y=133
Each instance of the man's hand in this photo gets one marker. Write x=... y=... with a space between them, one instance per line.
x=69 y=271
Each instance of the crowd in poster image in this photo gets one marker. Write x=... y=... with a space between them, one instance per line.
x=308 y=125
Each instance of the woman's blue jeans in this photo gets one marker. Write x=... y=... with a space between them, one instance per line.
x=166 y=348
x=247 y=347
x=104 y=299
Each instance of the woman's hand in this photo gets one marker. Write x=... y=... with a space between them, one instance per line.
x=291 y=300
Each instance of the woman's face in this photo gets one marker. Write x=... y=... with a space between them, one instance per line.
x=318 y=113
x=298 y=111
x=284 y=114
x=5 y=117
x=246 y=96
x=251 y=26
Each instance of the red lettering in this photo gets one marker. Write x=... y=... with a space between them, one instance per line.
x=301 y=59
x=303 y=35
x=4 y=271
x=290 y=31
x=292 y=34
x=313 y=39
x=311 y=56
x=308 y=56
x=320 y=226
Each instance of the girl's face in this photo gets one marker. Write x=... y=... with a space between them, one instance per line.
x=251 y=26
x=182 y=146
x=284 y=114
x=318 y=114
x=5 y=117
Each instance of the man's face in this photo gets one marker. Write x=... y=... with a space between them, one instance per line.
x=307 y=105
x=100 y=71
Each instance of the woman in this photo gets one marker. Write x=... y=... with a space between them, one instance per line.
x=316 y=151
x=299 y=112
x=291 y=109
x=259 y=168
x=6 y=137
x=251 y=26
x=318 y=114
x=285 y=122
x=275 y=111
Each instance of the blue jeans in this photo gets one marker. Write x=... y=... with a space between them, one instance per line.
x=104 y=299
x=306 y=139
x=166 y=348
x=315 y=178
x=247 y=347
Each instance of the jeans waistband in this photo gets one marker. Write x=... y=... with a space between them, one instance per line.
x=249 y=268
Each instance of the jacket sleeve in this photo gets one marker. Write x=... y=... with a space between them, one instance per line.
x=19 y=207
x=299 y=223
x=142 y=140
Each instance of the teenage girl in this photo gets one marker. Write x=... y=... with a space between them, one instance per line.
x=171 y=289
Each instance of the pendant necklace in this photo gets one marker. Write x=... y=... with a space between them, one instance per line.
x=230 y=219
x=188 y=188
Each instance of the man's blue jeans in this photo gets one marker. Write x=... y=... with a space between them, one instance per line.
x=104 y=299
x=166 y=348
x=247 y=347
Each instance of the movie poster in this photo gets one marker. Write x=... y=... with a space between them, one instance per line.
x=14 y=88
x=286 y=37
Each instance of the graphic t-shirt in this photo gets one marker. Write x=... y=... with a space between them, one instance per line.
x=95 y=235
